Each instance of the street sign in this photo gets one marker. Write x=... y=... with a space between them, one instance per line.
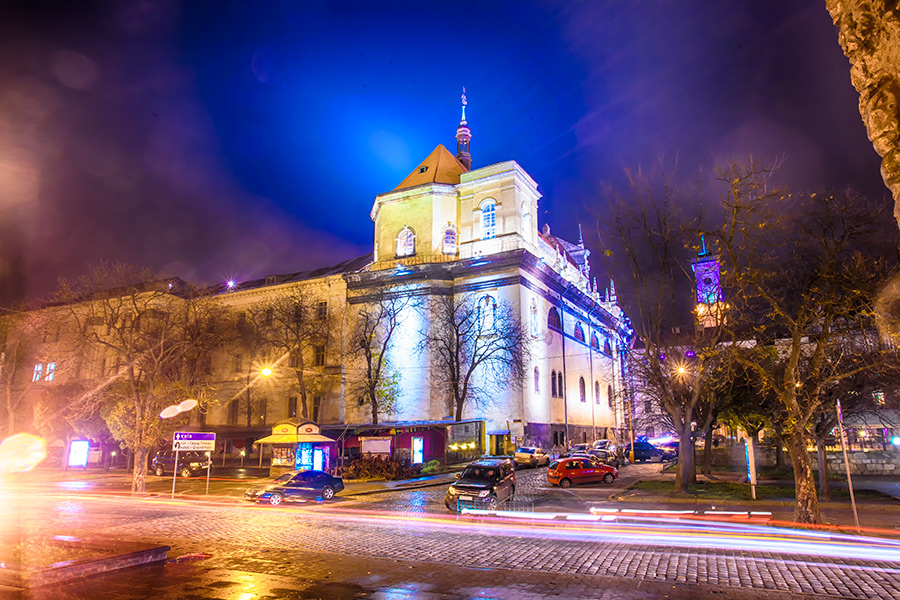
x=192 y=441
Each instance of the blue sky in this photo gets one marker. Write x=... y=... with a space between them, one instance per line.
x=238 y=139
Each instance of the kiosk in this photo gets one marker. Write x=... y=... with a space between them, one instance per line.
x=298 y=446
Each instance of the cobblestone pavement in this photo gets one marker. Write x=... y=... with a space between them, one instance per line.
x=395 y=529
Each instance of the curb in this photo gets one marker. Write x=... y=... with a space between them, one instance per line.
x=871 y=506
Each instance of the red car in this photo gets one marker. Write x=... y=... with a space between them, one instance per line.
x=566 y=472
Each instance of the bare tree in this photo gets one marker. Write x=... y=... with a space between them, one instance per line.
x=130 y=329
x=370 y=339
x=475 y=344
x=300 y=334
x=671 y=364
x=804 y=270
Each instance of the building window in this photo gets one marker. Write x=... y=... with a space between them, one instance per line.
x=38 y=370
x=878 y=397
x=581 y=389
x=647 y=407
x=322 y=311
x=406 y=242
x=233 y=410
x=237 y=363
x=450 y=240
x=553 y=383
x=609 y=395
x=537 y=380
x=488 y=219
x=487 y=312
x=294 y=359
x=51 y=369
x=579 y=333
x=270 y=315
x=553 y=321
x=607 y=349
x=292 y=406
x=319 y=356
x=596 y=392
x=595 y=342
x=560 y=387
x=317 y=402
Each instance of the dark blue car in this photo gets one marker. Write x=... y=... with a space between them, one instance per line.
x=297 y=485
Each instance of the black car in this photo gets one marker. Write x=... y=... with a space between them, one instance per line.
x=643 y=451
x=189 y=463
x=296 y=485
x=486 y=482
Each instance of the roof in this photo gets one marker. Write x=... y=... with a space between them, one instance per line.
x=352 y=265
x=289 y=438
x=439 y=167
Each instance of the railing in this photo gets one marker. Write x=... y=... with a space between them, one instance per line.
x=490 y=505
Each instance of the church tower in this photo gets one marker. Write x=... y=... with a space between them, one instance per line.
x=463 y=135
x=709 y=300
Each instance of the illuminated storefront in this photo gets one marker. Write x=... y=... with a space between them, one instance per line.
x=298 y=446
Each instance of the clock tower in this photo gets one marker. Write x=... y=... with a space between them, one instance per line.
x=709 y=300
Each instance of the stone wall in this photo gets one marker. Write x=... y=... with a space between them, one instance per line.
x=869 y=33
x=873 y=462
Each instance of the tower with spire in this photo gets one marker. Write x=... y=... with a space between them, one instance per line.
x=463 y=135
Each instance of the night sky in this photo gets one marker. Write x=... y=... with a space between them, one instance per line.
x=237 y=139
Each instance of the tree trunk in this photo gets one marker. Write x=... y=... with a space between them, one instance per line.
x=824 y=487
x=707 y=453
x=374 y=410
x=807 y=508
x=139 y=474
x=685 y=460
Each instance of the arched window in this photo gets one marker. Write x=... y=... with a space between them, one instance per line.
x=595 y=342
x=581 y=393
x=553 y=383
x=450 y=240
x=596 y=392
x=560 y=385
x=488 y=219
x=607 y=348
x=537 y=380
x=553 y=321
x=487 y=313
x=609 y=395
x=579 y=333
x=406 y=242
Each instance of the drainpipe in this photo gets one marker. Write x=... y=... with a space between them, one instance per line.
x=592 y=396
x=562 y=327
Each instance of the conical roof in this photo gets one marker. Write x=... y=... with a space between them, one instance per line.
x=439 y=167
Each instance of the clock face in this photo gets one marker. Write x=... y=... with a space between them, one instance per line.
x=707 y=277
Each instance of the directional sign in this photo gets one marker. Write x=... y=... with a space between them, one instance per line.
x=185 y=441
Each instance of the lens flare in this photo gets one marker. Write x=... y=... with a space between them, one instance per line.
x=21 y=452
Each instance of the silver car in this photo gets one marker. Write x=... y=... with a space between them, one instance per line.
x=531 y=456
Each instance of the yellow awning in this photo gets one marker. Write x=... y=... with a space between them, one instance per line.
x=291 y=438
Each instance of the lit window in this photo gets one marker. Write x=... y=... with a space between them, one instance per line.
x=38 y=369
x=406 y=242
x=450 y=241
x=581 y=390
x=488 y=220
x=51 y=369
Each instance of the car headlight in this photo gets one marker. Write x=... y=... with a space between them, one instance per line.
x=195 y=465
x=483 y=493
x=451 y=490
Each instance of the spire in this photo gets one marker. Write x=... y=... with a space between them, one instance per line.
x=703 y=251
x=580 y=236
x=463 y=135
x=612 y=290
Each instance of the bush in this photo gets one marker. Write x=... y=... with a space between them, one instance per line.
x=431 y=466
x=377 y=467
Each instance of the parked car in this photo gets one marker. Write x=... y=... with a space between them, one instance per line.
x=566 y=472
x=643 y=451
x=296 y=485
x=490 y=481
x=607 y=445
x=576 y=448
x=605 y=456
x=669 y=450
x=189 y=463
x=531 y=456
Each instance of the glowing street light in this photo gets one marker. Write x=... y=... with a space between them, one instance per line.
x=265 y=372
